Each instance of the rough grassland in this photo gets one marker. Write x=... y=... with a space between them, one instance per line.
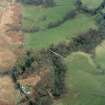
x=64 y=32
x=85 y=86
x=100 y=55
x=92 y=3
x=33 y=17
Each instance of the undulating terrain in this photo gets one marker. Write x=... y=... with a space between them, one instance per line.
x=52 y=52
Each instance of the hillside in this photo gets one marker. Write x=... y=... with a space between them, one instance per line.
x=52 y=52
x=10 y=24
x=10 y=41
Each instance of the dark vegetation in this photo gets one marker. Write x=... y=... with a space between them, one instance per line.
x=85 y=42
x=100 y=20
x=32 y=62
x=34 y=29
x=70 y=15
x=47 y=3
x=59 y=73
x=53 y=57
x=80 y=6
x=43 y=97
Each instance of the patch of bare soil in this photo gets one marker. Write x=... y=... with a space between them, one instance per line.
x=3 y=3
x=7 y=91
x=30 y=80
x=35 y=78
x=10 y=18
x=7 y=59
x=11 y=37
x=15 y=38
x=11 y=40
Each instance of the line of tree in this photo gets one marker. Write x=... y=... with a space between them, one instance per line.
x=48 y=3
x=68 y=16
x=59 y=70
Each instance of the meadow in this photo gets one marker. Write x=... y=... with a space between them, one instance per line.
x=92 y=3
x=33 y=17
x=84 y=82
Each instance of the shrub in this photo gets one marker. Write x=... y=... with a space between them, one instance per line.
x=70 y=15
x=39 y=2
x=59 y=69
x=42 y=93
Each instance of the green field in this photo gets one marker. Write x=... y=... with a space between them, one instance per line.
x=64 y=32
x=92 y=3
x=33 y=15
x=100 y=55
x=33 y=18
x=85 y=83
x=85 y=86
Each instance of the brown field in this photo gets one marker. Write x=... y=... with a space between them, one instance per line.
x=11 y=37
x=7 y=91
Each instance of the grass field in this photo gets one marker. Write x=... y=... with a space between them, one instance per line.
x=100 y=55
x=66 y=31
x=34 y=14
x=92 y=3
x=33 y=17
x=85 y=87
